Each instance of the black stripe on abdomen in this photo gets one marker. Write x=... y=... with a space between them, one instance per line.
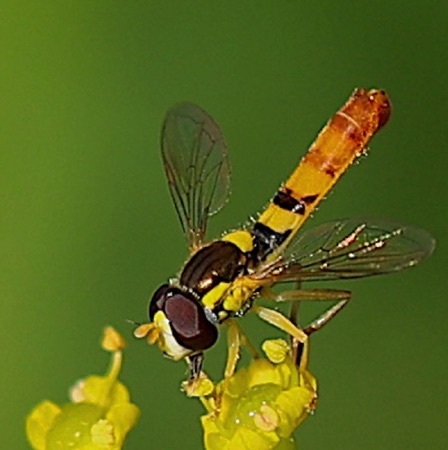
x=266 y=240
x=285 y=200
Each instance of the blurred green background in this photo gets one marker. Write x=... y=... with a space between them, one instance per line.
x=87 y=227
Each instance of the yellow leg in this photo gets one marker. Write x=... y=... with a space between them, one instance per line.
x=299 y=345
x=236 y=338
x=280 y=321
x=296 y=296
x=305 y=295
x=233 y=345
x=301 y=350
x=324 y=318
x=342 y=298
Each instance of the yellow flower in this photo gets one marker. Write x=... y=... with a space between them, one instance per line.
x=260 y=406
x=99 y=416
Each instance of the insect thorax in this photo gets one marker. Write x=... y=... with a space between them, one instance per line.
x=217 y=274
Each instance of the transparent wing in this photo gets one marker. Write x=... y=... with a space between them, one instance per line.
x=353 y=248
x=197 y=168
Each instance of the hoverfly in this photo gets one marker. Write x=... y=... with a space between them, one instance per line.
x=223 y=279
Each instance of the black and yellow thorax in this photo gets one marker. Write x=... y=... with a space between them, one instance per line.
x=221 y=273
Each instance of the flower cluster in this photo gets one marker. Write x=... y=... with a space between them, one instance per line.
x=260 y=406
x=99 y=416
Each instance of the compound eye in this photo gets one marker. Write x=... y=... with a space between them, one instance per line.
x=158 y=300
x=190 y=326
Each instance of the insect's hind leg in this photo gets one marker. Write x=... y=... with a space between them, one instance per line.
x=305 y=295
x=236 y=338
x=300 y=348
x=325 y=317
x=340 y=296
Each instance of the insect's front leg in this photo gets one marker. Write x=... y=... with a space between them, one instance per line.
x=198 y=385
x=195 y=363
x=236 y=338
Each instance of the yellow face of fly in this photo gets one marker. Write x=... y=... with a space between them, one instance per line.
x=223 y=278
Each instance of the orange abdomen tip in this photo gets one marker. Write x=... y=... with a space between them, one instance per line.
x=383 y=105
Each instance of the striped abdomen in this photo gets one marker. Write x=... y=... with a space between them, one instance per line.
x=340 y=142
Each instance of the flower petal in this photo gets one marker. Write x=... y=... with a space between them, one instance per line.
x=295 y=404
x=246 y=439
x=39 y=421
x=71 y=429
x=124 y=417
x=96 y=388
x=262 y=371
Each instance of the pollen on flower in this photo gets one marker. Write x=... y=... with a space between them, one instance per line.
x=102 y=433
x=260 y=406
x=267 y=419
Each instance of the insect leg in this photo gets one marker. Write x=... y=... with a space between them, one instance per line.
x=280 y=321
x=300 y=350
x=341 y=296
x=325 y=317
x=297 y=348
x=233 y=347
x=299 y=295
x=195 y=364
x=306 y=294
x=236 y=338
